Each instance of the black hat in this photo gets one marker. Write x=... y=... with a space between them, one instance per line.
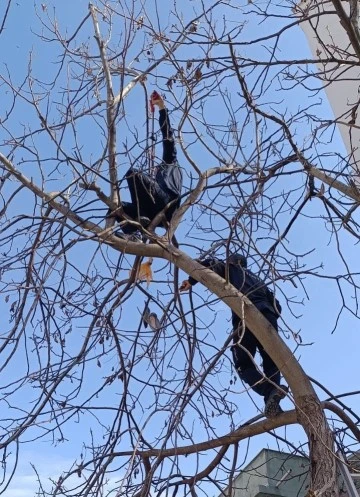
x=238 y=260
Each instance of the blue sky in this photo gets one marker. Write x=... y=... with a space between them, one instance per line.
x=331 y=358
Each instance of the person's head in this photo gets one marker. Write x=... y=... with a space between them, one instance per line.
x=238 y=260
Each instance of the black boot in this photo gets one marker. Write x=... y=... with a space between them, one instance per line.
x=272 y=405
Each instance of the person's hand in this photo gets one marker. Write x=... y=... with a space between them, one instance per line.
x=156 y=99
x=185 y=286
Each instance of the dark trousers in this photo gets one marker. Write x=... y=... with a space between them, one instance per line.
x=244 y=360
x=169 y=149
x=147 y=198
x=148 y=195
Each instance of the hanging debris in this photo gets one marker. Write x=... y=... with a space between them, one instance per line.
x=151 y=319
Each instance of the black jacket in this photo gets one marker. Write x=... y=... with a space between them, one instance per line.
x=169 y=177
x=247 y=283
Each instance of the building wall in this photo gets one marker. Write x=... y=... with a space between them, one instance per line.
x=273 y=473
x=279 y=474
x=326 y=38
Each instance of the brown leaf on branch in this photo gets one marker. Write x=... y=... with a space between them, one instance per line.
x=145 y=272
x=193 y=27
x=198 y=74
x=139 y=22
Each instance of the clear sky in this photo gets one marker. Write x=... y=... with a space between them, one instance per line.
x=327 y=354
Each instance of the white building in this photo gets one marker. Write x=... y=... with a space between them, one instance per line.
x=328 y=39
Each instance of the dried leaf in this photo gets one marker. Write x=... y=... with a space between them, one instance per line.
x=193 y=27
x=154 y=322
x=145 y=272
x=198 y=74
x=139 y=22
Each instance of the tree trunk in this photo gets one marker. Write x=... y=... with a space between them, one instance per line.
x=323 y=477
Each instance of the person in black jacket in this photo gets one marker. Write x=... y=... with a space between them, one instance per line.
x=245 y=343
x=150 y=195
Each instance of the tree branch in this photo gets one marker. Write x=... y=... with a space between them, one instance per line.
x=111 y=117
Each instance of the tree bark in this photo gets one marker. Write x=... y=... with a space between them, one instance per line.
x=323 y=477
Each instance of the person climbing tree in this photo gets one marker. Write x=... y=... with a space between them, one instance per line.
x=151 y=195
x=245 y=343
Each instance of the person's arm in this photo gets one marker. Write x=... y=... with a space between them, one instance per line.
x=215 y=264
x=169 y=149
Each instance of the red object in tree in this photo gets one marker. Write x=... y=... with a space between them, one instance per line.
x=154 y=96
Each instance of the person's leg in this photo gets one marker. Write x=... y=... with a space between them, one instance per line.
x=142 y=188
x=174 y=204
x=270 y=369
x=273 y=395
x=169 y=149
x=141 y=206
x=151 y=196
x=244 y=350
x=130 y=210
x=147 y=197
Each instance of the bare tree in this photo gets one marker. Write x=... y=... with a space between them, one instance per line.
x=256 y=146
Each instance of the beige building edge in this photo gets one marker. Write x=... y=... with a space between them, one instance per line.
x=327 y=38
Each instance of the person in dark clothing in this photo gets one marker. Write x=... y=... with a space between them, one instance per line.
x=150 y=195
x=245 y=343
